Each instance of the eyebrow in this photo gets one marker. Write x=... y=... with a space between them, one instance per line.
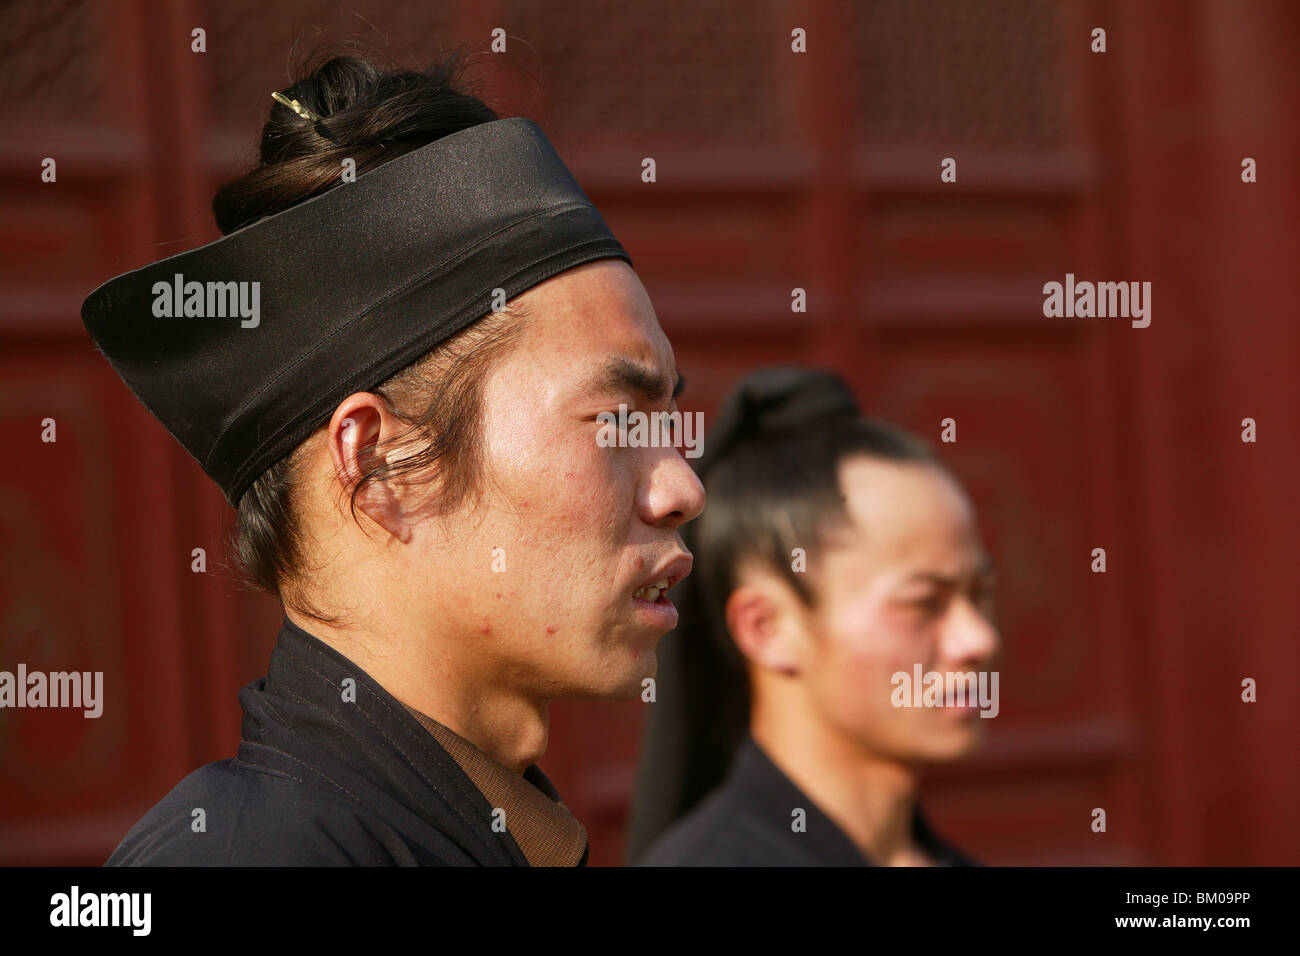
x=624 y=375
x=985 y=569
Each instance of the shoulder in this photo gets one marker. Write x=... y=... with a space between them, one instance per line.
x=718 y=832
x=227 y=814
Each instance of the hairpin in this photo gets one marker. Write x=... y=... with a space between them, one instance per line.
x=314 y=118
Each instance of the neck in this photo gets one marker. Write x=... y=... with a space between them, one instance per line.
x=429 y=675
x=870 y=799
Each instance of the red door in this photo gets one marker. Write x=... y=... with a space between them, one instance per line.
x=775 y=171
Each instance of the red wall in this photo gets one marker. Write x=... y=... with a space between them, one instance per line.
x=775 y=170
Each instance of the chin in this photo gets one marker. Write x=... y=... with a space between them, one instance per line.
x=645 y=666
x=630 y=686
x=618 y=679
x=955 y=745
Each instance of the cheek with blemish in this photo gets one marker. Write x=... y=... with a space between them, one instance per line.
x=639 y=563
x=636 y=655
x=550 y=629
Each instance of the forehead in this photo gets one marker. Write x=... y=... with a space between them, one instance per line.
x=594 y=312
x=906 y=516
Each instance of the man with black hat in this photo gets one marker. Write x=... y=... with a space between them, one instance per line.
x=409 y=434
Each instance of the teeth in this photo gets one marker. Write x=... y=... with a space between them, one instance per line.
x=652 y=592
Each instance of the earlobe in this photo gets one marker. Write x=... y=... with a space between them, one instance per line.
x=382 y=505
x=384 y=508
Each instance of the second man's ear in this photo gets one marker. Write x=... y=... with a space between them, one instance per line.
x=764 y=622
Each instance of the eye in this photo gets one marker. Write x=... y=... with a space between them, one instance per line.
x=933 y=605
x=928 y=606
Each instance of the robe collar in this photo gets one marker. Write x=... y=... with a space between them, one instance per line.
x=318 y=717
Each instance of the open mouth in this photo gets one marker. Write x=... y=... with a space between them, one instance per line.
x=666 y=574
x=652 y=592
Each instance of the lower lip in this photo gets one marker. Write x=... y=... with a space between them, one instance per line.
x=661 y=613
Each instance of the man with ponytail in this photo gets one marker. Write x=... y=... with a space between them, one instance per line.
x=836 y=554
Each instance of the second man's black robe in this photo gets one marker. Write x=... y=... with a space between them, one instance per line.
x=747 y=822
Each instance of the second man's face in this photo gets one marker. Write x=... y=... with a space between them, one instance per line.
x=905 y=589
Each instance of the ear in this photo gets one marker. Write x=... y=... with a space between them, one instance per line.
x=359 y=425
x=764 y=620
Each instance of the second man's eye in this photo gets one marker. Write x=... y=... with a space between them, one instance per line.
x=929 y=606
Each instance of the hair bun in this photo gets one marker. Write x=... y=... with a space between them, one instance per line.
x=369 y=114
x=772 y=400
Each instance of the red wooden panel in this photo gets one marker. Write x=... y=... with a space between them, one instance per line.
x=775 y=170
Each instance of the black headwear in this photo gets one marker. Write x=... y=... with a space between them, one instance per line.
x=698 y=720
x=340 y=291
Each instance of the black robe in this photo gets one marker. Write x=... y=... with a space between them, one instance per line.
x=320 y=780
x=747 y=822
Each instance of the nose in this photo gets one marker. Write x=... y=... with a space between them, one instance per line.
x=672 y=494
x=969 y=636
